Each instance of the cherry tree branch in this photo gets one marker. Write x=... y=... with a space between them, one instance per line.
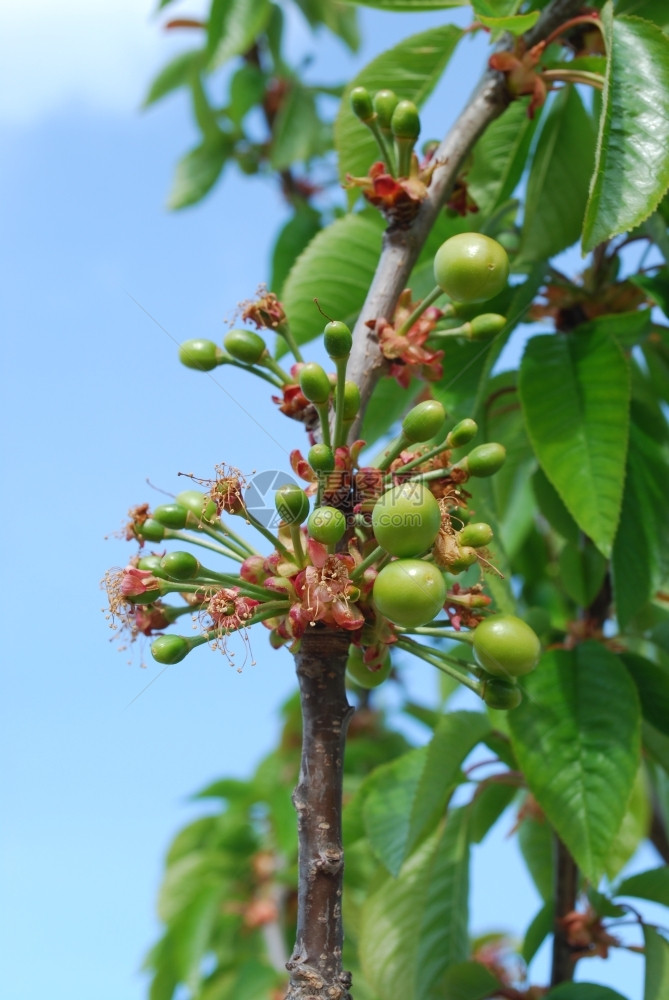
x=315 y=966
x=565 y=881
x=401 y=248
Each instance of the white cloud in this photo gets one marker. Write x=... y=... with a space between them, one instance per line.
x=100 y=54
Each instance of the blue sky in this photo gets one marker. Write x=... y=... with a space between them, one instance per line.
x=98 y=766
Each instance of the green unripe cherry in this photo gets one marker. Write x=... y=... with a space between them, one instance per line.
x=292 y=503
x=498 y=693
x=202 y=355
x=409 y=592
x=466 y=557
x=152 y=563
x=321 y=458
x=476 y=534
x=351 y=400
x=315 y=383
x=463 y=433
x=171 y=515
x=406 y=519
x=485 y=459
x=361 y=103
x=326 y=525
x=245 y=346
x=385 y=102
x=471 y=267
x=358 y=671
x=486 y=325
x=424 y=421
x=197 y=504
x=405 y=123
x=506 y=646
x=150 y=530
x=337 y=339
x=170 y=648
x=180 y=565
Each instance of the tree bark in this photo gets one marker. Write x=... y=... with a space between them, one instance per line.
x=565 y=891
x=315 y=966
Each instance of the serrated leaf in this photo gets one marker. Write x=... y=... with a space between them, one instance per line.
x=516 y=24
x=582 y=572
x=412 y=70
x=557 y=187
x=656 y=744
x=535 y=840
x=656 y=980
x=652 y=684
x=337 y=268
x=577 y=738
x=495 y=8
x=340 y=18
x=488 y=805
x=197 y=172
x=583 y=991
x=632 y=168
x=652 y=885
x=234 y=26
x=633 y=830
x=651 y=10
x=468 y=981
x=575 y=396
x=398 y=6
x=552 y=507
x=175 y=74
x=656 y=287
x=641 y=546
x=293 y=238
x=499 y=157
x=540 y=927
x=298 y=133
x=412 y=791
x=415 y=926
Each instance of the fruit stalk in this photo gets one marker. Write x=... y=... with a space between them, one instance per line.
x=315 y=966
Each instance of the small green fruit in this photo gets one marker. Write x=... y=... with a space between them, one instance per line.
x=321 y=458
x=405 y=123
x=385 y=102
x=180 y=565
x=424 y=421
x=314 y=383
x=506 y=646
x=326 y=525
x=172 y=515
x=409 y=592
x=292 y=503
x=170 y=648
x=406 y=520
x=476 y=534
x=245 y=346
x=202 y=355
x=485 y=460
x=358 y=671
x=471 y=267
x=462 y=433
x=361 y=103
x=337 y=339
x=501 y=694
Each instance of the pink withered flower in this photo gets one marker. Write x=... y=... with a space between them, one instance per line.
x=325 y=591
x=229 y=610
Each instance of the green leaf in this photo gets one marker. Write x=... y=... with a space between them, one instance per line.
x=577 y=739
x=412 y=70
x=655 y=286
x=197 y=172
x=398 y=6
x=297 y=135
x=634 y=827
x=468 y=981
x=557 y=188
x=582 y=571
x=535 y=839
x=234 y=26
x=575 y=396
x=656 y=744
x=247 y=88
x=340 y=18
x=517 y=25
x=337 y=268
x=539 y=929
x=552 y=507
x=415 y=926
x=656 y=983
x=652 y=885
x=652 y=684
x=651 y=10
x=500 y=156
x=293 y=238
x=641 y=546
x=495 y=8
x=488 y=805
x=175 y=74
x=583 y=991
x=632 y=168
x=412 y=791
